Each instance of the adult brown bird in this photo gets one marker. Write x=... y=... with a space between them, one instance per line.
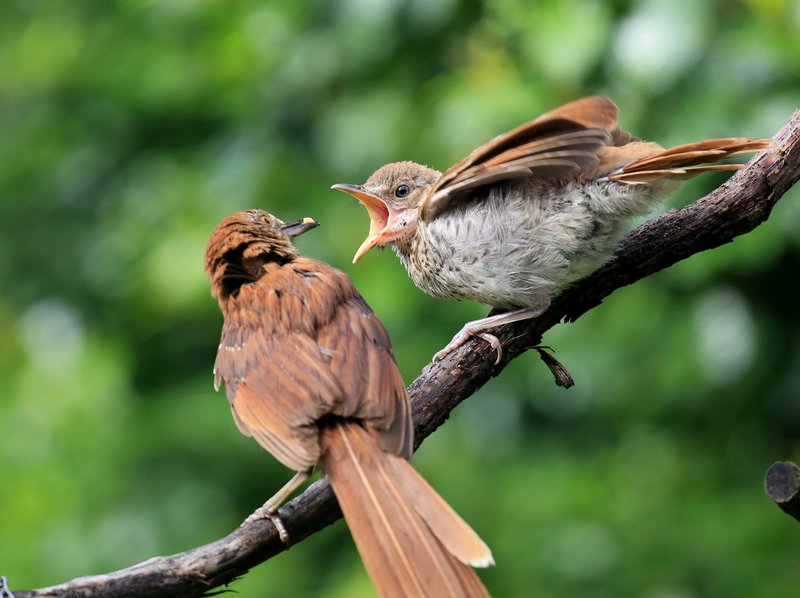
x=528 y=213
x=309 y=373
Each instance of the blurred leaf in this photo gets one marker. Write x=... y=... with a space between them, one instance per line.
x=131 y=127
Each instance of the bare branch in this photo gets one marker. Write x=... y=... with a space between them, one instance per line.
x=782 y=484
x=733 y=209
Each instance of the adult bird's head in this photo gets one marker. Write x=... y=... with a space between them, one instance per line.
x=393 y=197
x=244 y=242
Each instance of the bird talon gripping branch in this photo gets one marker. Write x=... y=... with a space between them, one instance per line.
x=463 y=336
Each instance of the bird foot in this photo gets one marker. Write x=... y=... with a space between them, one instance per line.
x=464 y=335
x=479 y=327
x=271 y=513
x=269 y=510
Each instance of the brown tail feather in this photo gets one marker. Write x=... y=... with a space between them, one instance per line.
x=457 y=537
x=673 y=174
x=387 y=506
x=685 y=161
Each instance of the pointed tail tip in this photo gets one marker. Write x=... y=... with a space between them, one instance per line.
x=480 y=556
x=483 y=562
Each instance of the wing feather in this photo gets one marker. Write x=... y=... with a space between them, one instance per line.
x=373 y=388
x=557 y=144
x=301 y=343
x=688 y=160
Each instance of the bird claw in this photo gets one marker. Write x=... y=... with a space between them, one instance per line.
x=282 y=533
x=463 y=336
x=269 y=512
x=264 y=512
x=479 y=327
x=495 y=344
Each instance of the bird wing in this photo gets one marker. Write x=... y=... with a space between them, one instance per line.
x=278 y=385
x=299 y=344
x=558 y=144
x=362 y=361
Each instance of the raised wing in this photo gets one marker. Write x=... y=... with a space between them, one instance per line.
x=559 y=143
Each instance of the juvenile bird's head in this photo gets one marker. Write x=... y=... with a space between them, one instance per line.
x=243 y=242
x=393 y=196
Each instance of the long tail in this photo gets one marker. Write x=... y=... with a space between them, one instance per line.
x=685 y=161
x=411 y=541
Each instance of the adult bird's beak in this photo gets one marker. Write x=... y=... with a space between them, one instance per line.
x=379 y=214
x=298 y=227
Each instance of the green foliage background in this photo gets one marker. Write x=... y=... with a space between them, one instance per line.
x=129 y=128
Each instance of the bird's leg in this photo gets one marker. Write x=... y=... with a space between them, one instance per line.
x=479 y=327
x=269 y=509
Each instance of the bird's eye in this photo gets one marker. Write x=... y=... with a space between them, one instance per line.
x=266 y=219
x=402 y=191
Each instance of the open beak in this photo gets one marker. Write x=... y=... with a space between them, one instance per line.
x=298 y=227
x=379 y=214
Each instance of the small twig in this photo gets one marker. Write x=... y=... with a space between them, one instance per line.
x=560 y=373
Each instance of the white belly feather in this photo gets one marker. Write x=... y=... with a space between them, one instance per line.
x=525 y=241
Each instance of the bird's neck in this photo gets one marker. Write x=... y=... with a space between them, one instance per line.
x=403 y=249
x=240 y=269
x=412 y=252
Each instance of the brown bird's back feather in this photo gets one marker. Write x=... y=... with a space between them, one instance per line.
x=309 y=373
x=333 y=359
x=399 y=523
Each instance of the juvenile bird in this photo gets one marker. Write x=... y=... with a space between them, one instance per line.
x=528 y=213
x=309 y=373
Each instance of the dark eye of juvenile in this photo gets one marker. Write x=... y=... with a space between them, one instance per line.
x=402 y=191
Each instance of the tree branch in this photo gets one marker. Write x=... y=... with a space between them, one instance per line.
x=737 y=207
x=782 y=484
